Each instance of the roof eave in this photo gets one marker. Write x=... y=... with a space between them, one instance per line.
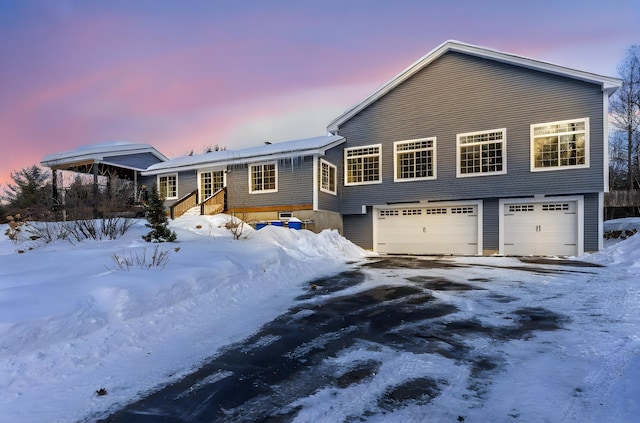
x=247 y=159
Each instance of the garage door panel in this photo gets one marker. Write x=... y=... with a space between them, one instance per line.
x=428 y=230
x=543 y=228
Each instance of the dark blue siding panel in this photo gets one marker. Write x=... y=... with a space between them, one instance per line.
x=358 y=228
x=591 y=217
x=491 y=224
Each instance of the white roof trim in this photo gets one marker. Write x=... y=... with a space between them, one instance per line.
x=275 y=151
x=97 y=152
x=609 y=84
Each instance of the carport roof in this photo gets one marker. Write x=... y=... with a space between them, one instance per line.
x=99 y=153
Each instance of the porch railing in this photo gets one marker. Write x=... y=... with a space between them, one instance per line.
x=181 y=206
x=214 y=204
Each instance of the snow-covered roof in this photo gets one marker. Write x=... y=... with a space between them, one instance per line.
x=275 y=151
x=97 y=153
x=608 y=84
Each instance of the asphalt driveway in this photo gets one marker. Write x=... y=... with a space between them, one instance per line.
x=341 y=332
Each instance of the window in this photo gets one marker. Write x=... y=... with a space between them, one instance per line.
x=462 y=210
x=516 y=208
x=210 y=182
x=168 y=187
x=482 y=153
x=285 y=215
x=263 y=178
x=362 y=165
x=555 y=207
x=560 y=145
x=415 y=159
x=383 y=213
x=328 y=177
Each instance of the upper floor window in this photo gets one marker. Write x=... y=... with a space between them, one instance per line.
x=415 y=159
x=560 y=145
x=168 y=187
x=328 y=174
x=482 y=153
x=263 y=178
x=362 y=165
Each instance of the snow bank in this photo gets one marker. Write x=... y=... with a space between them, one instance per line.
x=623 y=253
x=71 y=323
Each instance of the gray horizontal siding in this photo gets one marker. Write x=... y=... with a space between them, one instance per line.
x=591 y=217
x=135 y=161
x=491 y=224
x=295 y=185
x=459 y=93
x=357 y=228
x=328 y=201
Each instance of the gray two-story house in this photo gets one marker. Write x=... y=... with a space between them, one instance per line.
x=468 y=151
x=474 y=151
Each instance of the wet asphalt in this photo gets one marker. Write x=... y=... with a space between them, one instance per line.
x=259 y=379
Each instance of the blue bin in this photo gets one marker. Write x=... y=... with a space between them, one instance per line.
x=260 y=225
x=276 y=223
x=295 y=225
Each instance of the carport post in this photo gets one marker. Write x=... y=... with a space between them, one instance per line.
x=95 y=190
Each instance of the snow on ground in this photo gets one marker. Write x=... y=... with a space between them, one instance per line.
x=72 y=323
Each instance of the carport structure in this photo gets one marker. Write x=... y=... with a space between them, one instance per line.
x=120 y=160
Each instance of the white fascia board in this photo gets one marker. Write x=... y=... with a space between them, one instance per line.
x=608 y=84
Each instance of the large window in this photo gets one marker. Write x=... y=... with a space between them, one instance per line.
x=415 y=159
x=263 y=178
x=560 y=145
x=327 y=177
x=210 y=182
x=168 y=187
x=482 y=153
x=362 y=165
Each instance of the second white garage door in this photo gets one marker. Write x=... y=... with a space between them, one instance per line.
x=427 y=230
x=541 y=228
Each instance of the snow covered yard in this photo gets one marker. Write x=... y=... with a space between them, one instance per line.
x=71 y=324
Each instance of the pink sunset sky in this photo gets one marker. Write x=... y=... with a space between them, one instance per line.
x=183 y=75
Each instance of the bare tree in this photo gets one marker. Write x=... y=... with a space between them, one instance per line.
x=625 y=107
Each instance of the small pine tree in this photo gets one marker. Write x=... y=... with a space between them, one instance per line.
x=157 y=218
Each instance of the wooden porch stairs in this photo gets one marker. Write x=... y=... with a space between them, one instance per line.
x=188 y=205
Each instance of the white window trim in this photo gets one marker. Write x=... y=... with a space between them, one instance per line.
x=168 y=176
x=346 y=169
x=263 y=191
x=587 y=142
x=459 y=174
x=434 y=160
x=332 y=168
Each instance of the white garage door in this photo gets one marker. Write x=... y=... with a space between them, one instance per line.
x=549 y=228
x=427 y=230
